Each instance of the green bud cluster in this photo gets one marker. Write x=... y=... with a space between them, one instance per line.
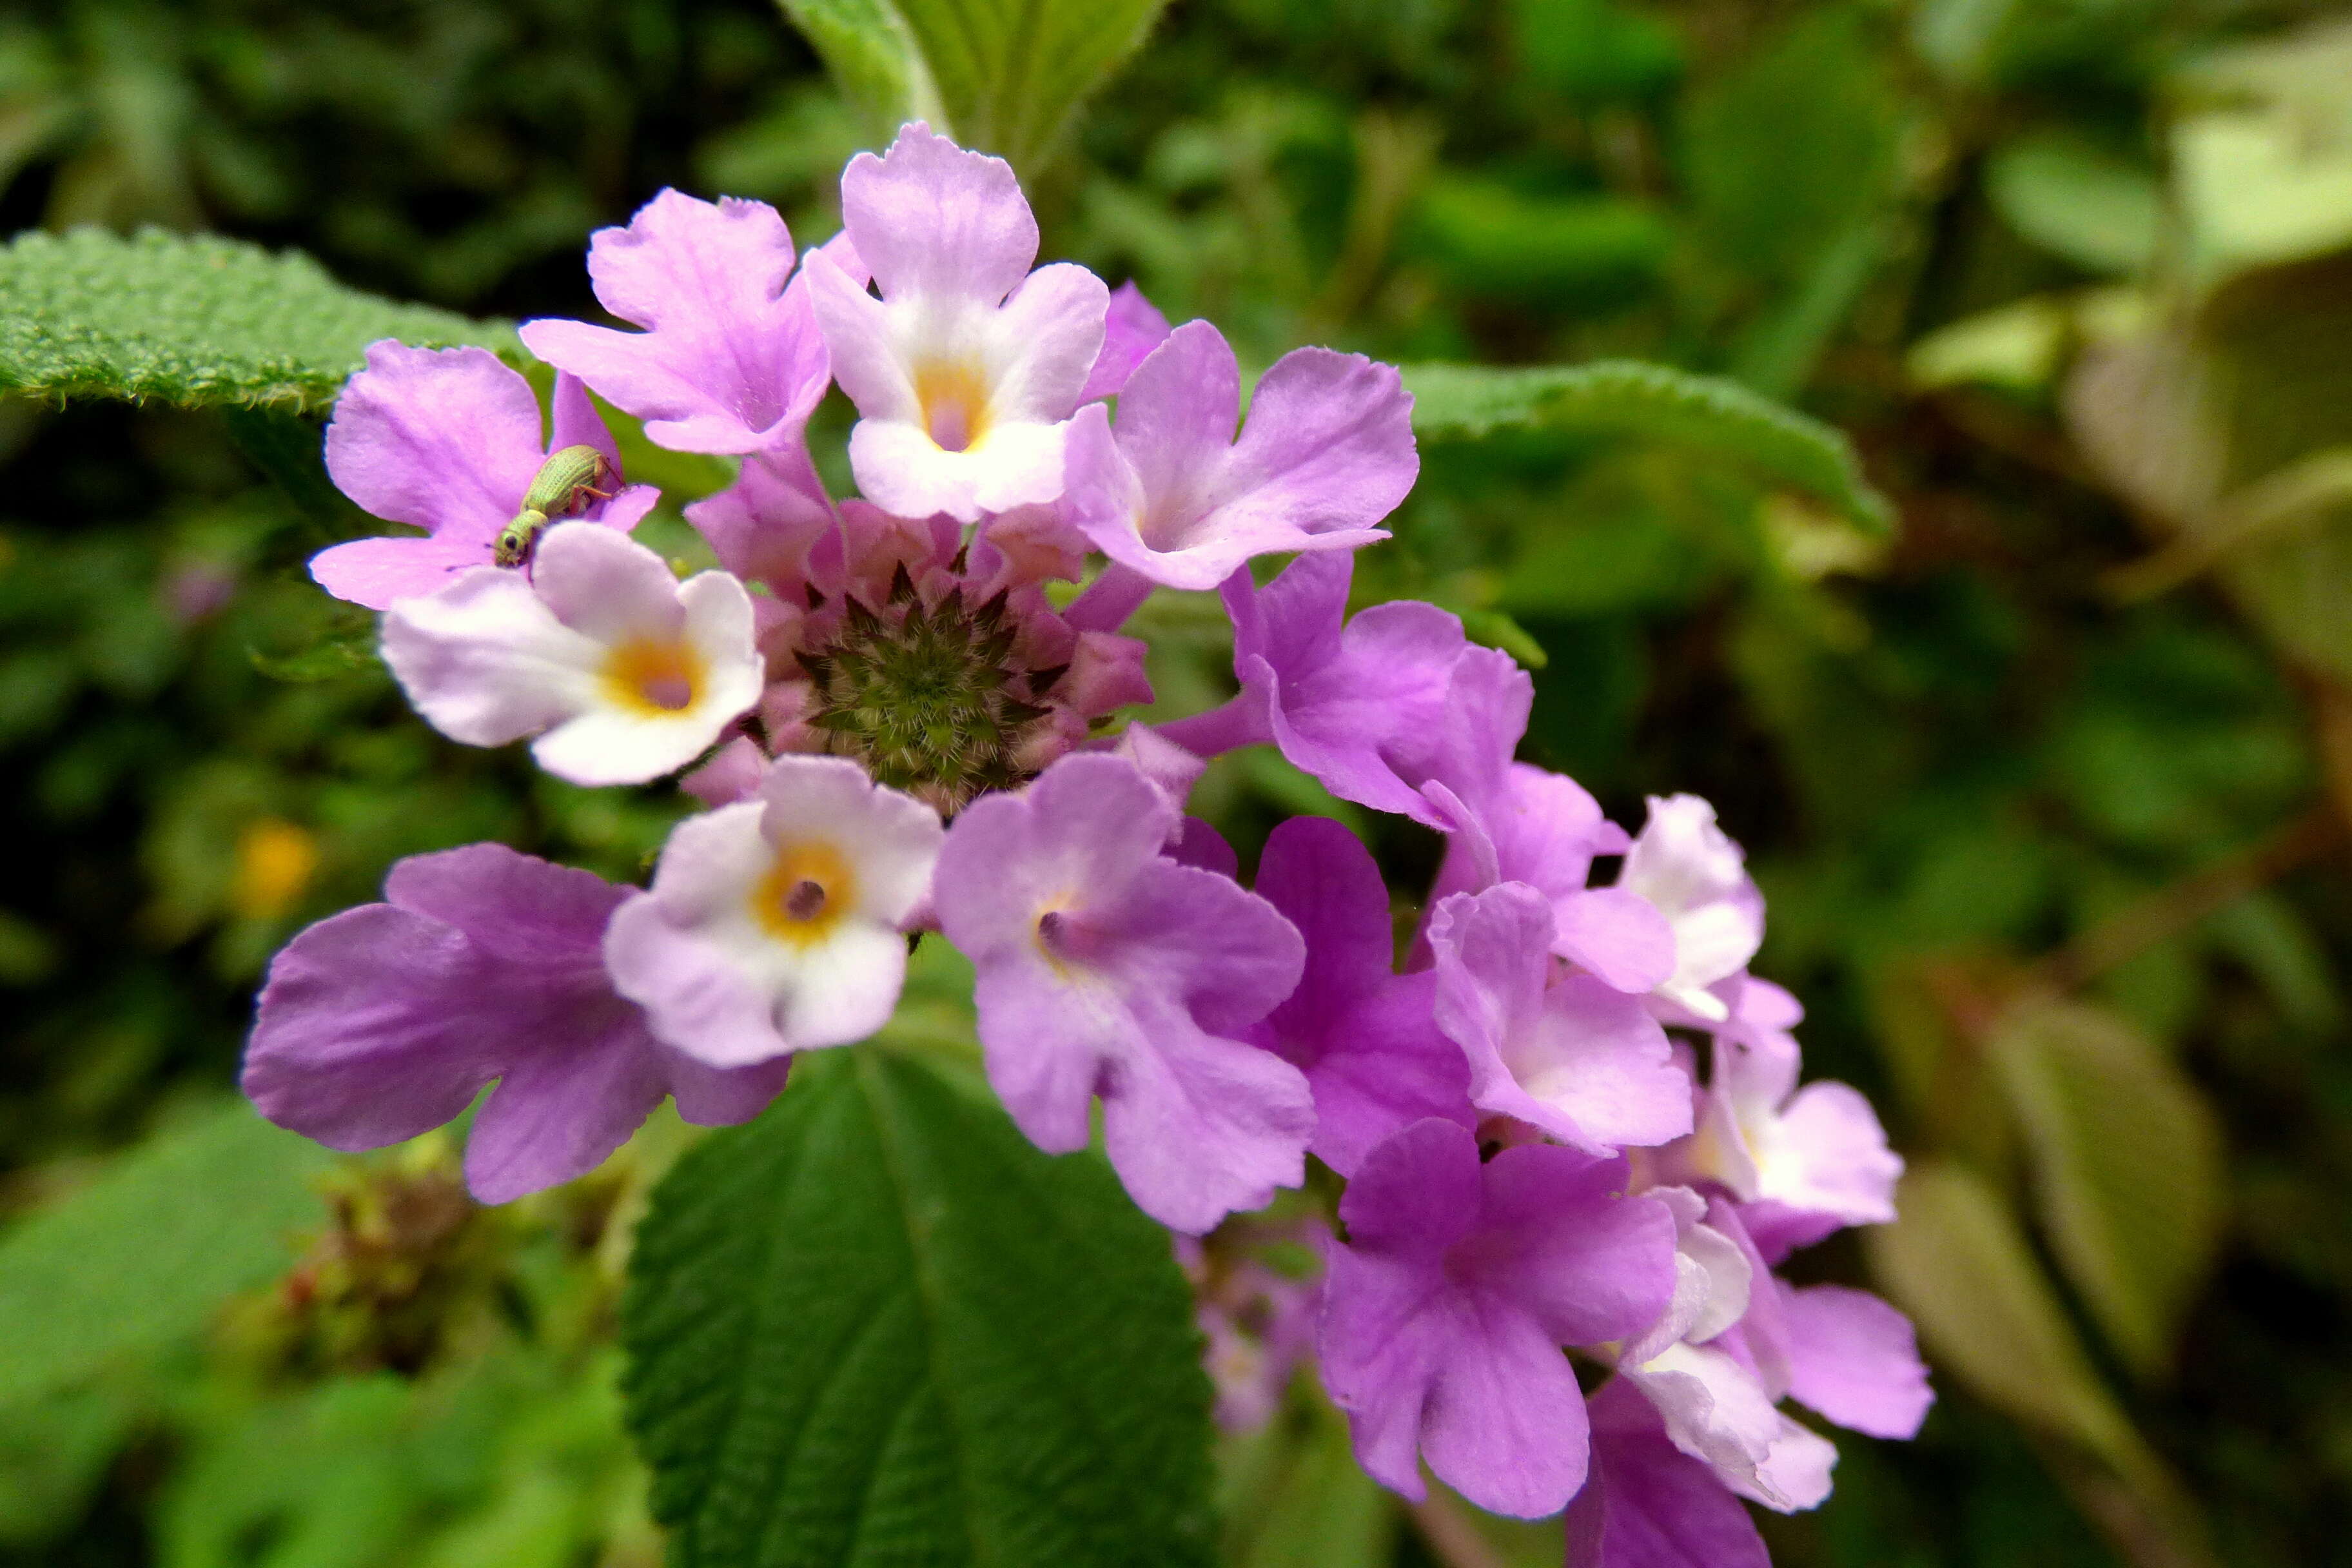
x=931 y=700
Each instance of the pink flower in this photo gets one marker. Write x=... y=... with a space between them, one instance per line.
x=730 y=359
x=1171 y=495
x=965 y=369
x=448 y=440
x=1685 y=867
x=1107 y=969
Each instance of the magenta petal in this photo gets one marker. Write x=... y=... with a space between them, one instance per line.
x=1201 y=846
x=1416 y=1195
x=1363 y=1035
x=513 y=907
x=1649 y=1505
x=1505 y=1423
x=1328 y=447
x=1853 y=1358
x=1134 y=328
x=1590 y=1264
x=727 y=364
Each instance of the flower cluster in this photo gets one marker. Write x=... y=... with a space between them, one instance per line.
x=895 y=729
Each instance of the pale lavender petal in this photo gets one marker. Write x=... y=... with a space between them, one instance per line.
x=1647 y=1504
x=374 y=572
x=1621 y=938
x=484 y=661
x=1853 y=1358
x=1326 y=453
x=606 y=587
x=1133 y=328
x=929 y=218
x=1103 y=968
x=1383 y=1333
x=1198 y=1126
x=727 y=364
x=443 y=440
x=1582 y=1062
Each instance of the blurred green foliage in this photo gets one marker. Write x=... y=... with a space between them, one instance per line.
x=2048 y=789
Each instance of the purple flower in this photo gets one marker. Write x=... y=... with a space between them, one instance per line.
x=1360 y=706
x=1326 y=453
x=730 y=359
x=1132 y=329
x=1512 y=822
x=1362 y=1034
x=384 y=1021
x=623 y=672
x=1556 y=1049
x=774 y=924
x=1444 y=1313
x=1647 y=1504
x=966 y=368
x=1106 y=968
x=447 y=440
x=1258 y=1319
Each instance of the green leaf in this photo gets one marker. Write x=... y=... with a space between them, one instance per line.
x=193 y=320
x=1958 y=1263
x=2079 y=201
x=1296 y=1497
x=143 y=1255
x=1004 y=76
x=877 y=1326
x=2126 y=1165
x=1630 y=398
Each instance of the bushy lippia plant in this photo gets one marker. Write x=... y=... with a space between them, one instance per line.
x=877 y=1322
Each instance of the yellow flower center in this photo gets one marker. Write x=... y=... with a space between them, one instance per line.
x=805 y=894
x=655 y=678
x=954 y=399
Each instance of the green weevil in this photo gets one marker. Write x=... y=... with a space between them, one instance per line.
x=566 y=480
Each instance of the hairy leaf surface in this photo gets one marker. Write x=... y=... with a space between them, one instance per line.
x=1630 y=398
x=877 y=1326
x=193 y=320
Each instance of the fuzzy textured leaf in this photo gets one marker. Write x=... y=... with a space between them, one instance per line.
x=877 y=1326
x=2126 y=1166
x=1631 y=399
x=194 y=319
x=145 y=1254
x=1004 y=76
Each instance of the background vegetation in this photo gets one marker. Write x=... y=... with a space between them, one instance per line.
x=2049 y=789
